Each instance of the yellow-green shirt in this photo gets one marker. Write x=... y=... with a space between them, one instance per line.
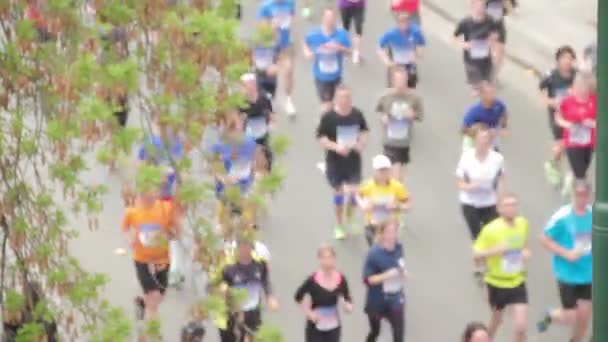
x=504 y=270
x=381 y=195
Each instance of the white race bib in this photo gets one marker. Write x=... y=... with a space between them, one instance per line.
x=327 y=318
x=393 y=285
x=252 y=301
x=240 y=169
x=149 y=234
x=495 y=10
x=328 y=63
x=512 y=261
x=263 y=58
x=398 y=129
x=257 y=127
x=380 y=213
x=480 y=49
x=404 y=56
x=347 y=135
x=580 y=135
x=583 y=242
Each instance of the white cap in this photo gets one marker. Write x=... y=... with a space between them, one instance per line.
x=381 y=162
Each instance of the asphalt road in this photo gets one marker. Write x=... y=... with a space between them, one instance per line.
x=442 y=296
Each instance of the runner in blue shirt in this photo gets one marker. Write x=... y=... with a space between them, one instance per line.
x=384 y=274
x=490 y=111
x=568 y=237
x=402 y=46
x=279 y=13
x=159 y=150
x=326 y=46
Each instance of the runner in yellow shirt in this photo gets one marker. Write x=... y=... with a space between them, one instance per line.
x=503 y=245
x=381 y=197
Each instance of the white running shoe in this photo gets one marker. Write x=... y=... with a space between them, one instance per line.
x=356 y=57
x=290 y=109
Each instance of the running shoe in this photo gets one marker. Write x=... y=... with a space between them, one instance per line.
x=545 y=322
x=552 y=174
x=306 y=12
x=140 y=308
x=356 y=57
x=339 y=233
x=290 y=108
x=567 y=186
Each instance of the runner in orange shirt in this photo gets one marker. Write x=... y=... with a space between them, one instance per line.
x=149 y=225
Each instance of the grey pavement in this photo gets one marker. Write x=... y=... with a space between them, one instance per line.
x=441 y=295
x=537 y=28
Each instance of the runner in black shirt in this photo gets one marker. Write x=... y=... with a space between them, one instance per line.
x=343 y=134
x=260 y=117
x=476 y=34
x=554 y=87
x=324 y=288
x=252 y=276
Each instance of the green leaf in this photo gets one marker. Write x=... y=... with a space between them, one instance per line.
x=30 y=332
x=25 y=30
x=14 y=300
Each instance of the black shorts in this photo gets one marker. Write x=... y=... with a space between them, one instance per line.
x=502 y=31
x=499 y=298
x=556 y=130
x=152 y=282
x=338 y=175
x=570 y=294
x=478 y=70
x=579 y=158
x=412 y=75
x=266 y=83
x=353 y=14
x=399 y=155
x=252 y=320
x=327 y=89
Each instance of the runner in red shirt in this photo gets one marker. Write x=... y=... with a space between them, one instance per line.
x=577 y=115
x=409 y=6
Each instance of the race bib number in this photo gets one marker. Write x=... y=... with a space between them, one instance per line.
x=263 y=58
x=150 y=234
x=393 y=285
x=480 y=49
x=398 y=129
x=380 y=213
x=512 y=261
x=399 y=110
x=495 y=10
x=240 y=169
x=257 y=127
x=404 y=56
x=580 y=134
x=327 y=318
x=252 y=301
x=283 y=20
x=328 y=63
x=583 y=242
x=347 y=135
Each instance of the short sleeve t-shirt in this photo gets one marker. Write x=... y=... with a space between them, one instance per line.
x=380 y=196
x=486 y=172
x=389 y=294
x=257 y=118
x=402 y=44
x=570 y=231
x=477 y=34
x=281 y=12
x=556 y=85
x=238 y=159
x=493 y=116
x=328 y=64
x=155 y=152
x=575 y=111
x=504 y=270
x=151 y=226
x=343 y=130
x=397 y=106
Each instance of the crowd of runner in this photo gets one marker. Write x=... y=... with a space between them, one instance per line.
x=500 y=236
